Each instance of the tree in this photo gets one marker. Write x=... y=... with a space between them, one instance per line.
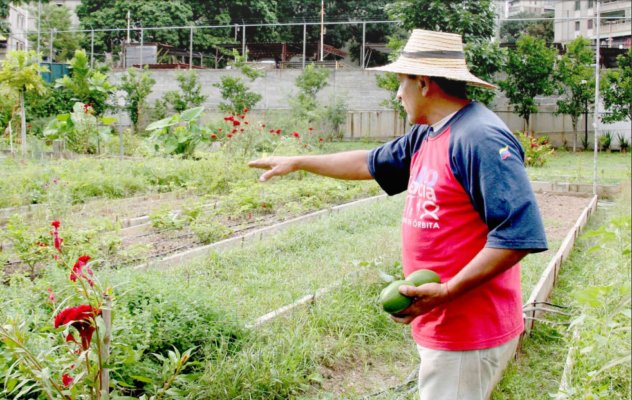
x=190 y=94
x=58 y=18
x=530 y=73
x=577 y=83
x=138 y=87
x=616 y=89
x=472 y=19
x=113 y=14
x=234 y=91
x=389 y=80
x=88 y=85
x=21 y=73
x=510 y=31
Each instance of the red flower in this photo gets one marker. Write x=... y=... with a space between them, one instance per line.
x=320 y=139
x=234 y=131
x=56 y=224
x=278 y=131
x=246 y=110
x=271 y=130
x=246 y=122
x=236 y=123
x=545 y=142
x=213 y=136
x=29 y=126
x=310 y=128
x=533 y=145
x=263 y=125
x=264 y=205
x=296 y=135
x=229 y=135
x=305 y=145
x=219 y=130
x=77 y=269
x=80 y=319
x=242 y=129
x=243 y=116
x=67 y=380
x=51 y=296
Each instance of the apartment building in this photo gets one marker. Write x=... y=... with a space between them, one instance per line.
x=529 y=6
x=15 y=38
x=72 y=4
x=614 y=32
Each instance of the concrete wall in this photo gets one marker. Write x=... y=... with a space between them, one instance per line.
x=367 y=118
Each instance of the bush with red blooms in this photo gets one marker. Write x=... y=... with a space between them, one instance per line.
x=76 y=366
x=249 y=137
x=536 y=150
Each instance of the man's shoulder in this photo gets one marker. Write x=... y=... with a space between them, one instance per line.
x=477 y=125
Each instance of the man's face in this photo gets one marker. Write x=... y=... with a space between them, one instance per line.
x=412 y=94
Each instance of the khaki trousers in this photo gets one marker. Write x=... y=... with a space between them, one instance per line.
x=462 y=375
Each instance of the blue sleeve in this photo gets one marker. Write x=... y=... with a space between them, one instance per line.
x=390 y=164
x=489 y=163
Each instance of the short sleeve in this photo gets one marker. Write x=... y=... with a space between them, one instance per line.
x=390 y=164
x=490 y=166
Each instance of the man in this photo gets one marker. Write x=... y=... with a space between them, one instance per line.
x=470 y=216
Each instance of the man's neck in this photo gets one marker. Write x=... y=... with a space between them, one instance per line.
x=444 y=107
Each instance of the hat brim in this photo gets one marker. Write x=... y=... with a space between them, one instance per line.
x=413 y=67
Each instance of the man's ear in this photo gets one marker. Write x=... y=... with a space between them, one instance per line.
x=424 y=85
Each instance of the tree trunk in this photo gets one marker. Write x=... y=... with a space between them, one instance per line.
x=23 y=125
x=574 y=120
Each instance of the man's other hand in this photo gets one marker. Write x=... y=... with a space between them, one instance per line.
x=277 y=166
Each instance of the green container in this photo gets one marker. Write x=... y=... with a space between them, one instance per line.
x=56 y=71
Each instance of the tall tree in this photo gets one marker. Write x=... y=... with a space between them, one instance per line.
x=577 y=83
x=530 y=73
x=58 y=18
x=616 y=89
x=472 y=19
x=21 y=73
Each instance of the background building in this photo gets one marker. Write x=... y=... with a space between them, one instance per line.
x=529 y=6
x=613 y=33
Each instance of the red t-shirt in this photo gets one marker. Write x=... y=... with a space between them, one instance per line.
x=467 y=189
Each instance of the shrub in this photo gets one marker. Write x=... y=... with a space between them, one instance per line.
x=536 y=150
x=190 y=94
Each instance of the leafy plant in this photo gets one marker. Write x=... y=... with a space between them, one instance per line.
x=190 y=94
x=310 y=82
x=605 y=141
x=210 y=232
x=21 y=73
x=616 y=89
x=236 y=94
x=138 y=87
x=181 y=139
x=89 y=86
x=624 y=144
x=81 y=130
x=536 y=150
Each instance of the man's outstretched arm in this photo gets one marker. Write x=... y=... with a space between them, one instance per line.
x=350 y=165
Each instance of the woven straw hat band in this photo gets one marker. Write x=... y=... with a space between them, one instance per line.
x=434 y=54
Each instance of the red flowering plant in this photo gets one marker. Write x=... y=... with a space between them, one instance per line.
x=76 y=361
x=536 y=150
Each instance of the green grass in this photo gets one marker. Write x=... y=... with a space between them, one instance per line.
x=538 y=370
x=567 y=166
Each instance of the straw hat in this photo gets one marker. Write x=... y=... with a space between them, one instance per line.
x=438 y=54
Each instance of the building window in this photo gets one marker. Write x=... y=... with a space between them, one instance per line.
x=590 y=3
x=576 y=25
x=578 y=6
x=590 y=24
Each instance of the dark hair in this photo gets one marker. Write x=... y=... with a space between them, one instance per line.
x=451 y=87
